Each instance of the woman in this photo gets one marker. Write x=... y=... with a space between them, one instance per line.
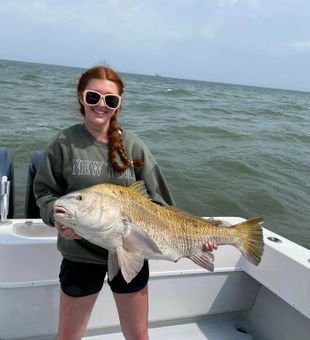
x=86 y=154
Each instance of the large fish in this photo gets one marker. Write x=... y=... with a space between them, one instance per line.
x=126 y=222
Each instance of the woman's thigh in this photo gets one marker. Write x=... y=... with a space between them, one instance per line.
x=74 y=314
x=133 y=314
x=80 y=286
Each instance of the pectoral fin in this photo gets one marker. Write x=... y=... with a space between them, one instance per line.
x=113 y=266
x=204 y=260
x=130 y=263
x=138 y=241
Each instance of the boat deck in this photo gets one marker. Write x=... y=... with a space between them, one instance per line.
x=236 y=301
x=233 y=328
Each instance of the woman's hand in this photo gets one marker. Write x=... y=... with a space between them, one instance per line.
x=209 y=246
x=67 y=233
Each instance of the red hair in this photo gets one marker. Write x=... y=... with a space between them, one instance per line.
x=114 y=132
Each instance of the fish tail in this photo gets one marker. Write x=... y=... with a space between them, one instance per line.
x=251 y=242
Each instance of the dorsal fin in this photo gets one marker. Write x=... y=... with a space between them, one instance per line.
x=189 y=215
x=183 y=213
x=140 y=188
x=179 y=211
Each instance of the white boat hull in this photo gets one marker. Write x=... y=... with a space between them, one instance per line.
x=271 y=301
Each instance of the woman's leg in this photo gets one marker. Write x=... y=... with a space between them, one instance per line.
x=80 y=286
x=74 y=315
x=133 y=314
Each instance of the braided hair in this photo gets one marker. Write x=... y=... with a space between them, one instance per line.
x=116 y=146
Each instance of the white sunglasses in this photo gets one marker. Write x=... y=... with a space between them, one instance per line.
x=92 y=98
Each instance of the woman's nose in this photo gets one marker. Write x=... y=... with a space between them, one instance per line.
x=101 y=102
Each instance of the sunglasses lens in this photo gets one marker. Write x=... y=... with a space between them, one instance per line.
x=112 y=101
x=92 y=98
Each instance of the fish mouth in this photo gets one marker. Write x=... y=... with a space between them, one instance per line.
x=61 y=212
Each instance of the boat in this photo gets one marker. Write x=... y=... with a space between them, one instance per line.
x=237 y=301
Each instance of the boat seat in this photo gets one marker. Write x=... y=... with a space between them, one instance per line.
x=31 y=208
x=7 y=169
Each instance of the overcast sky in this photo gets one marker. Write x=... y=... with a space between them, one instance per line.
x=250 y=42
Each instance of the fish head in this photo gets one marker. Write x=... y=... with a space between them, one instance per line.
x=89 y=209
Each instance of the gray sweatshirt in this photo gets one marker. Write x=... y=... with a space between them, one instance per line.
x=76 y=160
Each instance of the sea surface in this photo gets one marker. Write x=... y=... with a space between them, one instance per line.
x=225 y=150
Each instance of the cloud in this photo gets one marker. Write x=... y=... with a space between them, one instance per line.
x=301 y=46
x=232 y=3
x=185 y=38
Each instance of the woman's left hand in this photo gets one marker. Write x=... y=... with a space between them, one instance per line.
x=209 y=246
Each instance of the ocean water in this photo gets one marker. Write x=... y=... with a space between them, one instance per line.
x=226 y=150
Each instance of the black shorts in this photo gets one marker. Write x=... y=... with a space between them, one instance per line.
x=79 y=279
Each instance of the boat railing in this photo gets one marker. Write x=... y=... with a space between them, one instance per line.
x=4 y=203
x=6 y=189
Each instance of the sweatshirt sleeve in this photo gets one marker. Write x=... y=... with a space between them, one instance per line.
x=49 y=183
x=157 y=186
x=152 y=176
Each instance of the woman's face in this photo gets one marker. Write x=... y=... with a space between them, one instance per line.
x=98 y=117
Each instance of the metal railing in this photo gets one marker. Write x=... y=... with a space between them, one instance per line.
x=4 y=199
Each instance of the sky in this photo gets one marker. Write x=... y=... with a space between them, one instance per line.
x=249 y=42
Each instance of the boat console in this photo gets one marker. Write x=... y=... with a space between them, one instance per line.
x=31 y=208
x=7 y=186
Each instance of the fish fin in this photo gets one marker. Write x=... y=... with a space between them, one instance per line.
x=140 y=188
x=203 y=259
x=193 y=217
x=218 y=223
x=113 y=266
x=182 y=213
x=178 y=210
x=251 y=242
x=130 y=263
x=137 y=240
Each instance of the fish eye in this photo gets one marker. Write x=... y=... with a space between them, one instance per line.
x=79 y=198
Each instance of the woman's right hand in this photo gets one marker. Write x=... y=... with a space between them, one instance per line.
x=67 y=233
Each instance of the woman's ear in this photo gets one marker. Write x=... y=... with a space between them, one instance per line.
x=81 y=101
